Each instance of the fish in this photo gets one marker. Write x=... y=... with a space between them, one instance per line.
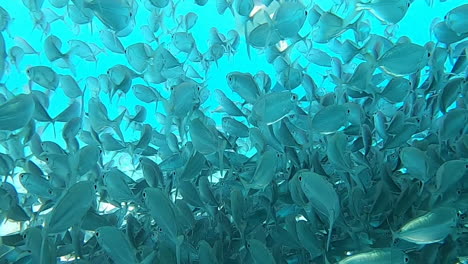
x=330 y=25
x=456 y=20
x=43 y=76
x=263 y=36
x=244 y=85
x=404 y=59
x=226 y=104
x=116 y=15
x=387 y=11
x=4 y=19
x=99 y=120
x=384 y=255
x=289 y=19
x=264 y=172
x=432 y=227
x=111 y=41
x=272 y=107
x=16 y=112
x=52 y=46
x=322 y=197
x=139 y=55
x=80 y=196
x=329 y=119
x=445 y=34
x=415 y=162
x=70 y=86
x=116 y=244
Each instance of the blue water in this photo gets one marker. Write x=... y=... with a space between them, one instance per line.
x=416 y=25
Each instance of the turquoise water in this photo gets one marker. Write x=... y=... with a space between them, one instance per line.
x=416 y=25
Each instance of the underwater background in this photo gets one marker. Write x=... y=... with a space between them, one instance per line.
x=240 y=131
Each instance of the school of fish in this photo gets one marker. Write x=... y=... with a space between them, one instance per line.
x=354 y=149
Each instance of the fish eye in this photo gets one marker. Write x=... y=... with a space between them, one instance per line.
x=95 y=186
x=50 y=191
x=248 y=245
x=160 y=229
x=459 y=192
x=429 y=54
x=349 y=111
x=97 y=234
x=300 y=178
x=466 y=166
x=305 y=12
x=408 y=4
x=406 y=259
x=230 y=78
x=47 y=159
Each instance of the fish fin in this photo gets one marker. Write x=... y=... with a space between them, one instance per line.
x=246 y=34
x=394 y=236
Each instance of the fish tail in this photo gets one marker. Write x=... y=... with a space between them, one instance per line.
x=222 y=5
x=129 y=122
x=67 y=58
x=116 y=125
